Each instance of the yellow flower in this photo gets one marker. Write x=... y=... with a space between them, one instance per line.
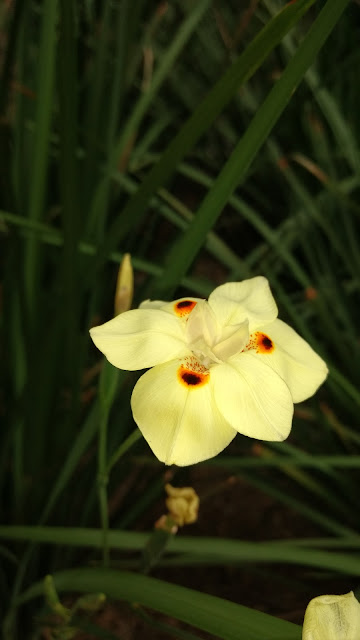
x=183 y=504
x=219 y=367
x=332 y=618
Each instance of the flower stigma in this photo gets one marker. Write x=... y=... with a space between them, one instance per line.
x=211 y=343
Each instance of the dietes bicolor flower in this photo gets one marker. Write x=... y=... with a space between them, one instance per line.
x=217 y=367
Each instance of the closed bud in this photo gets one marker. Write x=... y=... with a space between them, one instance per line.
x=332 y=618
x=183 y=504
x=124 y=286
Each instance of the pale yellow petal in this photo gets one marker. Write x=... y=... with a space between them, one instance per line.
x=252 y=300
x=182 y=425
x=331 y=617
x=140 y=338
x=253 y=399
x=152 y=304
x=202 y=324
x=294 y=360
x=180 y=307
x=233 y=341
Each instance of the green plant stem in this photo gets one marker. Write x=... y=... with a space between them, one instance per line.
x=104 y=469
x=103 y=479
x=124 y=447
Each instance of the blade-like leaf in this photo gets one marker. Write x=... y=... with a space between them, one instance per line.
x=234 y=171
x=220 y=617
x=223 y=91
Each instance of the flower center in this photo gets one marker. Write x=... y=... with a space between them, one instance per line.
x=211 y=343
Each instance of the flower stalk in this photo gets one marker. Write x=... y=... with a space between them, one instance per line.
x=103 y=479
x=108 y=385
x=124 y=447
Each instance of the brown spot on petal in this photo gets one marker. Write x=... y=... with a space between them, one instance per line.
x=261 y=343
x=183 y=307
x=193 y=378
x=264 y=343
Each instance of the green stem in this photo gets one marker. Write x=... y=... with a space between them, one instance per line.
x=130 y=440
x=103 y=479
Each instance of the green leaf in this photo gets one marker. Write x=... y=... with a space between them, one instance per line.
x=185 y=249
x=224 y=549
x=222 y=618
x=221 y=94
x=183 y=34
x=44 y=106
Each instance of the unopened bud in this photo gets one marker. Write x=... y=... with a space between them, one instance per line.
x=53 y=601
x=124 y=286
x=332 y=618
x=183 y=504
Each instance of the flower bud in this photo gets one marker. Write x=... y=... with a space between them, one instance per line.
x=182 y=503
x=124 y=286
x=332 y=618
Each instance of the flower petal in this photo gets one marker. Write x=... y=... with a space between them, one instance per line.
x=234 y=339
x=253 y=398
x=332 y=618
x=140 y=338
x=294 y=360
x=251 y=300
x=202 y=324
x=180 y=307
x=181 y=423
x=152 y=304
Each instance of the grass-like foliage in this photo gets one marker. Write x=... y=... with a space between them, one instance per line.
x=213 y=141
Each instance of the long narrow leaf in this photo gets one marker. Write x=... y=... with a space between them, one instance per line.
x=244 y=67
x=234 y=171
x=220 y=617
x=226 y=549
x=44 y=105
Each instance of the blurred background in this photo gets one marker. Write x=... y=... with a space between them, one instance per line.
x=213 y=141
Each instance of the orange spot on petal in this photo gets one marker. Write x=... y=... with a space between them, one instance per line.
x=183 y=307
x=193 y=377
x=260 y=342
x=264 y=344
